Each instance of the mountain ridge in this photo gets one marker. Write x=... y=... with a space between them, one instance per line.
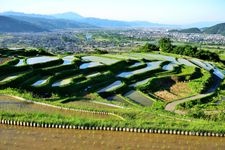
x=8 y=24
x=216 y=29
x=70 y=20
x=98 y=22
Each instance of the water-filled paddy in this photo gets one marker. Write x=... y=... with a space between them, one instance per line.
x=185 y=62
x=10 y=104
x=137 y=64
x=139 y=98
x=20 y=63
x=150 y=66
x=169 y=66
x=90 y=65
x=14 y=137
x=68 y=60
x=41 y=59
x=62 y=82
x=111 y=87
x=104 y=60
x=41 y=81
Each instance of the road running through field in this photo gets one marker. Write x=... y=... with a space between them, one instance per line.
x=172 y=106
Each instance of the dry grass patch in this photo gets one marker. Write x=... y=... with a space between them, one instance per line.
x=3 y=60
x=177 y=91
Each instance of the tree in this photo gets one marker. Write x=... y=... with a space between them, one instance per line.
x=149 y=47
x=98 y=51
x=165 y=45
x=178 y=50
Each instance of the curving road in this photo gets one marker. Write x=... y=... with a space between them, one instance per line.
x=172 y=106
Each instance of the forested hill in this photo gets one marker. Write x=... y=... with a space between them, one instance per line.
x=217 y=29
x=8 y=24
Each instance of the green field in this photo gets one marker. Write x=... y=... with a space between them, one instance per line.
x=127 y=89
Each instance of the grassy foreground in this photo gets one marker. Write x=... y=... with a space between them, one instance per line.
x=148 y=118
x=88 y=82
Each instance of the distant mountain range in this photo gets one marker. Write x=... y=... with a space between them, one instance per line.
x=74 y=20
x=21 y=22
x=8 y=24
x=216 y=29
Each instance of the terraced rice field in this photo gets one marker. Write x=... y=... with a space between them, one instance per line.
x=41 y=59
x=106 y=76
x=41 y=81
x=111 y=87
x=90 y=65
x=21 y=62
x=139 y=98
x=104 y=60
x=67 y=60
x=3 y=60
x=62 y=82
x=130 y=90
x=10 y=104
x=150 y=66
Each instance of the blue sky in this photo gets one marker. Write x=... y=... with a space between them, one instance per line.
x=160 y=11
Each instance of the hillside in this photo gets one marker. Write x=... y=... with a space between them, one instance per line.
x=217 y=29
x=49 y=23
x=119 y=90
x=8 y=24
x=189 y=30
x=74 y=20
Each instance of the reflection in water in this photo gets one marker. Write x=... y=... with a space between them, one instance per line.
x=90 y=65
x=41 y=59
x=150 y=66
x=14 y=137
x=111 y=87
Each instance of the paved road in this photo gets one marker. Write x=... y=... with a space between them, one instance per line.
x=172 y=106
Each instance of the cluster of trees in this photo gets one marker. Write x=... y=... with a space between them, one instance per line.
x=165 y=45
x=148 y=48
x=99 y=51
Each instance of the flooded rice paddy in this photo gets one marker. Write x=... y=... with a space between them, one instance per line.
x=104 y=60
x=41 y=81
x=90 y=65
x=10 y=104
x=15 y=137
x=150 y=66
x=41 y=59
x=185 y=62
x=111 y=87
x=20 y=63
x=139 y=98
x=169 y=67
x=62 y=82
x=68 y=60
x=137 y=64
